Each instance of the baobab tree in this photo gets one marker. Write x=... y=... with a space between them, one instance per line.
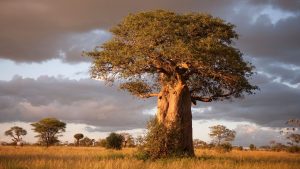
x=178 y=58
x=78 y=137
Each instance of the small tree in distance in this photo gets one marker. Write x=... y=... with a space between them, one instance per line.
x=114 y=141
x=252 y=147
x=78 y=137
x=48 y=129
x=16 y=133
x=221 y=134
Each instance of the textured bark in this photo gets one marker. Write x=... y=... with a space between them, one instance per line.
x=174 y=112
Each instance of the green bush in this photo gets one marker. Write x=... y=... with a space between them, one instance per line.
x=161 y=142
x=252 y=147
x=102 y=143
x=224 y=148
x=114 y=141
x=293 y=149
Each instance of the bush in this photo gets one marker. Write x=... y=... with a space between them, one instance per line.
x=102 y=143
x=114 y=141
x=240 y=148
x=224 y=148
x=293 y=149
x=161 y=142
x=252 y=147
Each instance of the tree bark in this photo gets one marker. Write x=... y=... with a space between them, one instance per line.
x=174 y=111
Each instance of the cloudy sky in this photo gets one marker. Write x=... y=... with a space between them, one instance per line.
x=44 y=75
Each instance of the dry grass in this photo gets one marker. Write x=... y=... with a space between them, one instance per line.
x=92 y=158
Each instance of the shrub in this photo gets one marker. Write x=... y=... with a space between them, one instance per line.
x=114 y=141
x=240 y=148
x=102 y=143
x=161 y=142
x=252 y=147
x=293 y=149
x=224 y=148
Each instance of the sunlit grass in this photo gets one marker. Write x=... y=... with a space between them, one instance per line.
x=98 y=158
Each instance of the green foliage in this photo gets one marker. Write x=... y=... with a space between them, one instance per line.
x=221 y=134
x=48 y=129
x=294 y=138
x=151 y=49
x=128 y=140
x=86 y=141
x=224 y=147
x=199 y=144
x=240 y=148
x=293 y=149
x=252 y=147
x=114 y=141
x=278 y=147
x=16 y=133
x=161 y=142
x=102 y=143
x=78 y=137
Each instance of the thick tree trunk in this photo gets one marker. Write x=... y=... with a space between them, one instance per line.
x=174 y=112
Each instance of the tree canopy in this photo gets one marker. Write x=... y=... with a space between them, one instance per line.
x=48 y=129
x=114 y=141
x=221 y=134
x=16 y=133
x=151 y=49
x=78 y=136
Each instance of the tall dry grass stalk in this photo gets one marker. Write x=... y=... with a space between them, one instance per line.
x=100 y=158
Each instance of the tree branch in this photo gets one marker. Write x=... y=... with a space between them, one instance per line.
x=211 y=98
x=148 y=95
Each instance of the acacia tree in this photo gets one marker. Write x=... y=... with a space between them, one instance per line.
x=78 y=136
x=178 y=58
x=221 y=134
x=49 y=130
x=16 y=133
x=128 y=140
x=292 y=132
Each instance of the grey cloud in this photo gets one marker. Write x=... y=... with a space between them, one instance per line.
x=34 y=31
x=259 y=136
x=262 y=39
x=290 y=5
x=272 y=106
x=83 y=101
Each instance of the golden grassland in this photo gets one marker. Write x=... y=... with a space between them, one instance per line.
x=30 y=157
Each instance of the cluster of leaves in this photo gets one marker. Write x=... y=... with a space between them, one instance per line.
x=78 y=137
x=221 y=134
x=224 y=147
x=16 y=133
x=161 y=142
x=114 y=141
x=168 y=47
x=87 y=141
x=252 y=147
x=49 y=130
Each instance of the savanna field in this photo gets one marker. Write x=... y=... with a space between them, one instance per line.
x=30 y=157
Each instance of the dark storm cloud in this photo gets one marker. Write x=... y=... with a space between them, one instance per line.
x=288 y=5
x=262 y=39
x=34 y=30
x=272 y=106
x=82 y=101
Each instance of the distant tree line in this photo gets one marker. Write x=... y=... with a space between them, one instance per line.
x=50 y=129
